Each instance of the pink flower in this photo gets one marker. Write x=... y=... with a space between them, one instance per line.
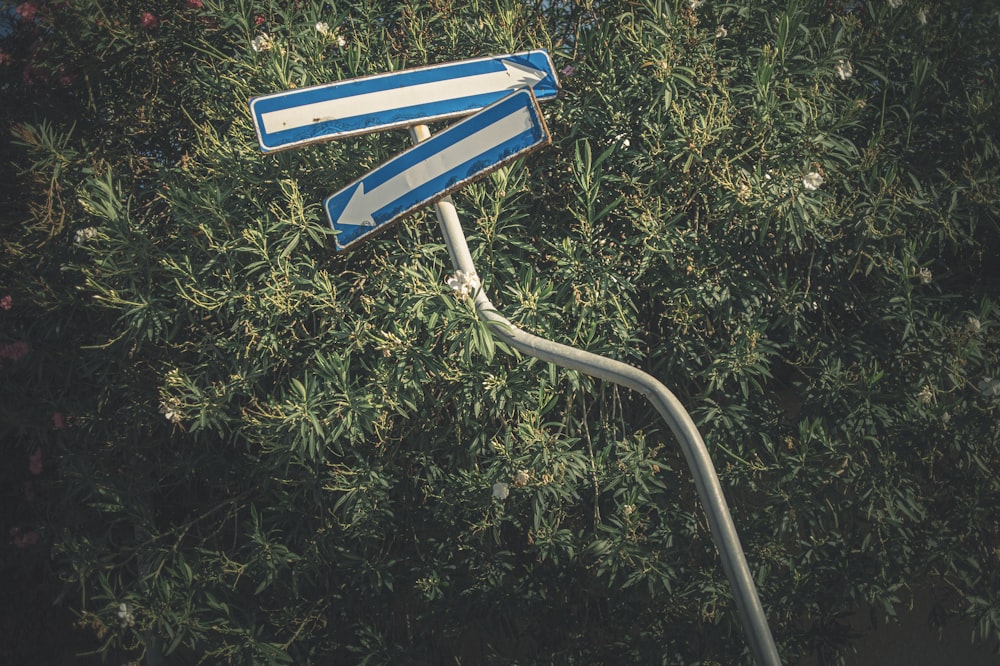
x=193 y=4
x=31 y=74
x=58 y=420
x=27 y=10
x=259 y=19
x=13 y=351
x=568 y=70
x=35 y=462
x=23 y=539
x=6 y=303
x=149 y=21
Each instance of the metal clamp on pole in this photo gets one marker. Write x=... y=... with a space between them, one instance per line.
x=707 y=482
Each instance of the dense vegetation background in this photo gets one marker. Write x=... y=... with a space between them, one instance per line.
x=222 y=442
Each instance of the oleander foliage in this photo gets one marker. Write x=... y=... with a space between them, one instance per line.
x=264 y=452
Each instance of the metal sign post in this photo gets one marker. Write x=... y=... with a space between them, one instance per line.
x=706 y=481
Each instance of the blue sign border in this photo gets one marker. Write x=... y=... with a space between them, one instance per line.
x=404 y=116
x=474 y=167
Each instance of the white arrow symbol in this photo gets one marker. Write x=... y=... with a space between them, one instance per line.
x=362 y=205
x=512 y=76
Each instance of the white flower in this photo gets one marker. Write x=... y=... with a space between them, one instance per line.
x=629 y=509
x=695 y=4
x=895 y=4
x=922 y=15
x=844 y=69
x=521 y=478
x=501 y=490
x=170 y=413
x=989 y=386
x=83 y=235
x=973 y=325
x=323 y=28
x=721 y=32
x=125 y=614
x=812 y=181
x=262 y=42
x=925 y=275
x=463 y=283
x=623 y=140
x=341 y=42
x=926 y=395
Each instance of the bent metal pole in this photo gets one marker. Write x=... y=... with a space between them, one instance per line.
x=706 y=481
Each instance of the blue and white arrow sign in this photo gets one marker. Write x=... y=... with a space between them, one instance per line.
x=438 y=166
x=398 y=99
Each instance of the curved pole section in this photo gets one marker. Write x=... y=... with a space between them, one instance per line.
x=706 y=481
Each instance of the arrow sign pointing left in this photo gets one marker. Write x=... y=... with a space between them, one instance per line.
x=430 y=170
x=397 y=99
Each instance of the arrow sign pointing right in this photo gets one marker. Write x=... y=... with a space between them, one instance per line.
x=428 y=171
x=408 y=97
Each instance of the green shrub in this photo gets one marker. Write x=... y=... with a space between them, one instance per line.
x=271 y=453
